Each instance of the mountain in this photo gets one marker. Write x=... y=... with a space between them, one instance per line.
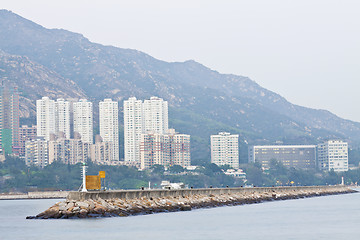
x=202 y=101
x=34 y=81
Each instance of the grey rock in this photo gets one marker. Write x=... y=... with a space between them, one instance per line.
x=82 y=204
x=75 y=209
x=70 y=205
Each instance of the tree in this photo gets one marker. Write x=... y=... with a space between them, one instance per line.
x=176 y=169
x=157 y=169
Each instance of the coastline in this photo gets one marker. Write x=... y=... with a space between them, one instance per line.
x=95 y=206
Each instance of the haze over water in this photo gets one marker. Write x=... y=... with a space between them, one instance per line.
x=329 y=217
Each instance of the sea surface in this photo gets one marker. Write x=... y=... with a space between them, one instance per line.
x=328 y=217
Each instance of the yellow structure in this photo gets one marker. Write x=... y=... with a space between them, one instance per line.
x=102 y=174
x=93 y=182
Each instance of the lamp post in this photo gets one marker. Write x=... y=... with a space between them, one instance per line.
x=84 y=178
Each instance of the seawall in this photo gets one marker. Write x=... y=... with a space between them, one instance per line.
x=35 y=195
x=138 y=202
x=133 y=194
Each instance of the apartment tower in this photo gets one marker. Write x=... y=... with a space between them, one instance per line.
x=225 y=149
x=83 y=120
x=109 y=125
x=46 y=118
x=9 y=119
x=333 y=155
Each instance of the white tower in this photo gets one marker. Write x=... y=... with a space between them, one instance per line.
x=83 y=120
x=109 y=124
x=133 y=128
x=63 y=117
x=156 y=115
x=333 y=154
x=46 y=117
x=148 y=117
x=225 y=149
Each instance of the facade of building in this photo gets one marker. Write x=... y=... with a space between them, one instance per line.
x=164 y=149
x=63 y=117
x=69 y=151
x=333 y=154
x=109 y=125
x=53 y=118
x=36 y=152
x=46 y=118
x=225 y=149
x=9 y=119
x=150 y=116
x=133 y=128
x=83 y=120
x=180 y=149
x=102 y=153
x=155 y=115
x=26 y=134
x=297 y=156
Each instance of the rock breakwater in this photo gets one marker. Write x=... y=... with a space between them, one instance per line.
x=92 y=208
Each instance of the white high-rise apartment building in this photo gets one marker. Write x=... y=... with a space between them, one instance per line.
x=139 y=118
x=109 y=124
x=225 y=149
x=133 y=128
x=63 y=117
x=46 y=117
x=155 y=115
x=333 y=154
x=83 y=120
x=52 y=117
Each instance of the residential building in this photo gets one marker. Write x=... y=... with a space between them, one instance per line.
x=333 y=155
x=69 y=151
x=225 y=149
x=297 y=156
x=155 y=115
x=141 y=118
x=26 y=134
x=83 y=120
x=133 y=128
x=63 y=117
x=53 y=118
x=36 y=152
x=109 y=125
x=46 y=118
x=180 y=149
x=164 y=149
x=9 y=119
x=102 y=152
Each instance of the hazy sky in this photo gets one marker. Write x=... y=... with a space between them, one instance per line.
x=307 y=50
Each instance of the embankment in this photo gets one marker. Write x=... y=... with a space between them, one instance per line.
x=35 y=195
x=137 y=202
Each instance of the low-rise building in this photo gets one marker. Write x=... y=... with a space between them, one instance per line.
x=69 y=151
x=102 y=152
x=164 y=149
x=36 y=152
x=297 y=156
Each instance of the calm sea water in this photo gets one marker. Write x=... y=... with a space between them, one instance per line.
x=329 y=217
